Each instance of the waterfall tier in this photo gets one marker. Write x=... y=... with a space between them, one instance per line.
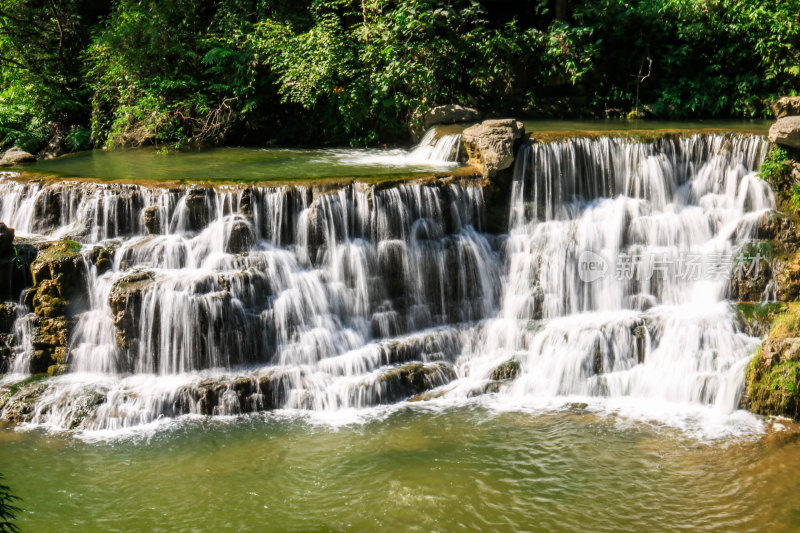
x=232 y=299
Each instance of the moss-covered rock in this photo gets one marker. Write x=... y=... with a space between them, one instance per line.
x=411 y=379
x=773 y=378
x=756 y=318
x=508 y=370
x=17 y=401
x=59 y=292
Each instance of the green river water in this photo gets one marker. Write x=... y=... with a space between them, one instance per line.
x=277 y=164
x=454 y=469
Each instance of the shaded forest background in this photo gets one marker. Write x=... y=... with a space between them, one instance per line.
x=133 y=72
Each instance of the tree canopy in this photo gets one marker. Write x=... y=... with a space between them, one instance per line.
x=131 y=72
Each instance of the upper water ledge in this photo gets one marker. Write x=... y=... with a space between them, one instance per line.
x=439 y=155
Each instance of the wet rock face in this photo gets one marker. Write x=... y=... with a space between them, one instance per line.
x=777 y=226
x=243 y=395
x=199 y=208
x=786 y=106
x=410 y=379
x=786 y=132
x=15 y=156
x=47 y=210
x=103 y=258
x=126 y=304
x=241 y=238
x=153 y=224
x=490 y=144
x=751 y=288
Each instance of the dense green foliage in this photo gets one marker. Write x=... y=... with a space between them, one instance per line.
x=7 y=509
x=131 y=72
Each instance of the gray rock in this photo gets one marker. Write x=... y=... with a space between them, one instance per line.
x=786 y=132
x=152 y=220
x=490 y=144
x=775 y=351
x=786 y=106
x=15 y=156
x=126 y=300
x=449 y=114
x=54 y=148
x=241 y=237
x=199 y=205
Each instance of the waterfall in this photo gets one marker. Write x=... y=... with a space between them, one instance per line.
x=243 y=298
x=435 y=146
x=638 y=327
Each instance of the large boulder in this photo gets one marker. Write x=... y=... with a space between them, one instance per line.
x=490 y=144
x=15 y=156
x=786 y=106
x=241 y=236
x=449 y=114
x=786 y=132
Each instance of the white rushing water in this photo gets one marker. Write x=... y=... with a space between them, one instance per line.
x=248 y=298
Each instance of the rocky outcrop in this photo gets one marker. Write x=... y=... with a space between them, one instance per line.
x=199 y=208
x=449 y=114
x=443 y=114
x=507 y=371
x=242 y=395
x=491 y=144
x=16 y=156
x=786 y=132
x=410 y=379
x=59 y=292
x=786 y=106
x=773 y=376
x=241 y=237
x=153 y=223
x=126 y=303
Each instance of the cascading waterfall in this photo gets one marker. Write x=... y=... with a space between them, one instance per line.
x=236 y=299
x=637 y=326
x=437 y=147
